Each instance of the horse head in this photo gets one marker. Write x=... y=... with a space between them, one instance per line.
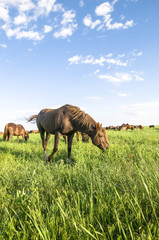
x=26 y=136
x=99 y=137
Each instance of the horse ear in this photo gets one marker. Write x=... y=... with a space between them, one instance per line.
x=98 y=125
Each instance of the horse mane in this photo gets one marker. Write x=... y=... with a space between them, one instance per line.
x=79 y=118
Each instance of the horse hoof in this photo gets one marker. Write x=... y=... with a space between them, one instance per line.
x=69 y=161
x=45 y=156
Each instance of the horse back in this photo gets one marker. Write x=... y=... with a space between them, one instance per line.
x=52 y=120
x=15 y=129
x=20 y=129
x=11 y=127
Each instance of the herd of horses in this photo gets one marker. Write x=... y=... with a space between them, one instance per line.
x=126 y=127
x=64 y=121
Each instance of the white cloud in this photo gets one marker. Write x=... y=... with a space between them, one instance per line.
x=115 y=25
x=22 y=24
x=45 y=6
x=88 y=60
x=128 y=24
x=30 y=35
x=74 y=60
x=103 y=9
x=19 y=34
x=26 y=5
x=10 y=32
x=124 y=77
x=68 y=17
x=101 y=60
x=139 y=79
x=109 y=78
x=136 y=53
x=118 y=25
x=68 y=25
x=118 y=78
x=21 y=19
x=3 y=45
x=47 y=29
x=97 y=71
x=4 y=14
x=65 y=32
x=58 y=8
x=81 y=3
x=88 y=22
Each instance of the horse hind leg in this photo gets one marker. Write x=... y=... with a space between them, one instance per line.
x=42 y=132
x=8 y=135
x=46 y=140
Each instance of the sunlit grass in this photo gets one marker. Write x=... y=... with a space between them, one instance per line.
x=111 y=195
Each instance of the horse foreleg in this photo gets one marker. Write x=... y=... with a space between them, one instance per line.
x=70 y=138
x=10 y=137
x=18 y=139
x=23 y=136
x=56 y=142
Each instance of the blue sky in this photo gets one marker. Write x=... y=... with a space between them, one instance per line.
x=99 y=55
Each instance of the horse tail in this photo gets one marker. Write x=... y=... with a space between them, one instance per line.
x=5 y=132
x=33 y=117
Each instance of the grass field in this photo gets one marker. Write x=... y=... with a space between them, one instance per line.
x=111 y=195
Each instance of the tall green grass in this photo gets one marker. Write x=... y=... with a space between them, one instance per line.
x=111 y=195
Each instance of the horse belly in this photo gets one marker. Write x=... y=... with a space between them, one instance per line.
x=17 y=133
x=48 y=128
x=66 y=126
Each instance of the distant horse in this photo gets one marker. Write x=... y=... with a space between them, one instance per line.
x=85 y=137
x=34 y=131
x=67 y=120
x=12 y=129
x=77 y=137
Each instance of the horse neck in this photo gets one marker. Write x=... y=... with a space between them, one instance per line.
x=86 y=125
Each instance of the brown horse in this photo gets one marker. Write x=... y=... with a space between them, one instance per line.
x=12 y=129
x=67 y=120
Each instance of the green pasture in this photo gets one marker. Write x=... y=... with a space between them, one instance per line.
x=110 y=195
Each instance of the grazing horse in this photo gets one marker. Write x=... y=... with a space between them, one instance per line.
x=12 y=129
x=67 y=120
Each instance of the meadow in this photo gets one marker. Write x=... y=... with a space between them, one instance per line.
x=110 y=195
